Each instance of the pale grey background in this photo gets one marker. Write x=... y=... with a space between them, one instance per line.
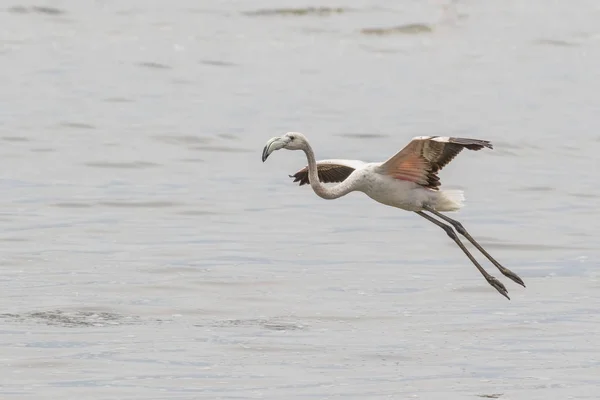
x=146 y=252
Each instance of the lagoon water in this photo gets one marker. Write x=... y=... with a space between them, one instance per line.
x=147 y=253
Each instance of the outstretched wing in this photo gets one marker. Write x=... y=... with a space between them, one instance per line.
x=329 y=171
x=425 y=156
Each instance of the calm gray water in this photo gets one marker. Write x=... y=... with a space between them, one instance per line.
x=147 y=253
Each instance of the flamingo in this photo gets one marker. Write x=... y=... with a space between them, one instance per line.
x=408 y=180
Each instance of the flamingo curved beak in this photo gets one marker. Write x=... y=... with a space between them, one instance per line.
x=273 y=144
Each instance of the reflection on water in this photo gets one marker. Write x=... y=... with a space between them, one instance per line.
x=147 y=252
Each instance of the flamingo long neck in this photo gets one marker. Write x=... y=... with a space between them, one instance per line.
x=325 y=192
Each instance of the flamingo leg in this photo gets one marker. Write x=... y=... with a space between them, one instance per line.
x=460 y=229
x=495 y=283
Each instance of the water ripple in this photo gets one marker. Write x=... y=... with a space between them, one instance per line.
x=218 y=63
x=71 y=319
x=363 y=135
x=409 y=29
x=140 y=204
x=15 y=139
x=153 y=65
x=305 y=11
x=221 y=149
x=274 y=324
x=183 y=139
x=555 y=43
x=122 y=165
x=36 y=9
x=76 y=125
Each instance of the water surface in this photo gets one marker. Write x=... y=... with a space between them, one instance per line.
x=147 y=252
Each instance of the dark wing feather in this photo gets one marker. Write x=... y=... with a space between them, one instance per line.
x=328 y=172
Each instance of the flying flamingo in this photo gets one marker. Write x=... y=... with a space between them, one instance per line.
x=408 y=180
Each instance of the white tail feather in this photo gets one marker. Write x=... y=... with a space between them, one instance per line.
x=450 y=200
